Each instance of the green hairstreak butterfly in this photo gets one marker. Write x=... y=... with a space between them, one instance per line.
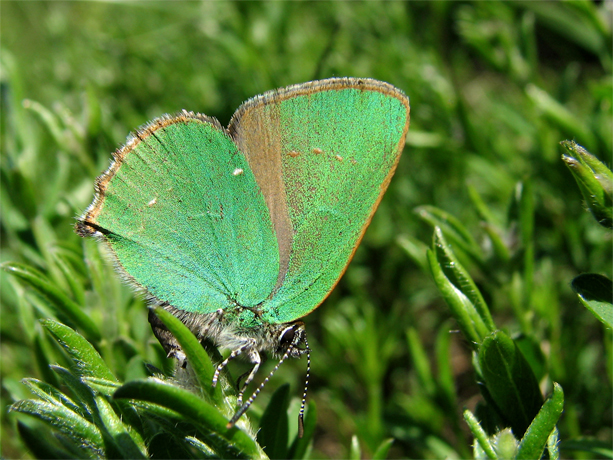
x=240 y=232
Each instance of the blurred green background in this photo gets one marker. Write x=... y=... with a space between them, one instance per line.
x=494 y=87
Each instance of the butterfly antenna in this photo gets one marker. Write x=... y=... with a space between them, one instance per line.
x=306 y=387
x=245 y=406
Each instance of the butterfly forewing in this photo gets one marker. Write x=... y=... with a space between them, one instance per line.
x=185 y=218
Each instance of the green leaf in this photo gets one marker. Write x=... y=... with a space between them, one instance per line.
x=484 y=212
x=273 y=432
x=595 y=293
x=459 y=291
x=71 y=424
x=452 y=228
x=40 y=446
x=594 y=179
x=498 y=244
x=52 y=395
x=458 y=275
x=509 y=381
x=57 y=298
x=355 y=453
x=42 y=360
x=479 y=434
x=202 y=447
x=533 y=353
x=88 y=361
x=83 y=395
x=420 y=362
x=129 y=444
x=383 y=449
x=415 y=249
x=526 y=228
x=235 y=441
x=71 y=277
x=197 y=357
x=553 y=444
x=445 y=377
x=102 y=386
x=593 y=447
x=534 y=441
x=504 y=443
x=300 y=446
x=559 y=114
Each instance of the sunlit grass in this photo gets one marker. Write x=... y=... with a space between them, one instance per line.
x=494 y=87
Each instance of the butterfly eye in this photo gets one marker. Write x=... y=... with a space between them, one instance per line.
x=287 y=337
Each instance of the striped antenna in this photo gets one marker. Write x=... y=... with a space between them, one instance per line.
x=306 y=386
x=245 y=406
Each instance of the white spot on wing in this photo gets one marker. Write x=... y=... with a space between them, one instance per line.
x=237 y=172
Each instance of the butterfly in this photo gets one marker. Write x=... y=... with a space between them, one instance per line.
x=242 y=231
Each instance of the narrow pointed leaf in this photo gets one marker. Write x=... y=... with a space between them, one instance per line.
x=300 y=446
x=498 y=245
x=102 y=386
x=49 y=120
x=420 y=362
x=460 y=306
x=51 y=394
x=88 y=361
x=57 y=298
x=509 y=381
x=558 y=113
x=595 y=181
x=534 y=441
x=71 y=277
x=479 y=434
x=415 y=249
x=383 y=449
x=83 y=395
x=273 y=432
x=553 y=444
x=197 y=357
x=459 y=291
x=452 y=227
x=130 y=446
x=40 y=446
x=71 y=424
x=596 y=294
x=191 y=407
x=458 y=275
x=42 y=360
x=355 y=453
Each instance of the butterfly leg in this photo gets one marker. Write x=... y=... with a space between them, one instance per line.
x=256 y=359
x=248 y=345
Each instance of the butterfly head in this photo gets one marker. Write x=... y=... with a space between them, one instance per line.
x=290 y=338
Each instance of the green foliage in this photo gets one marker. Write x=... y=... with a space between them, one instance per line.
x=494 y=87
x=595 y=181
x=594 y=291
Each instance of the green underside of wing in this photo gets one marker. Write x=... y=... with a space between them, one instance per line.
x=331 y=195
x=186 y=225
x=189 y=223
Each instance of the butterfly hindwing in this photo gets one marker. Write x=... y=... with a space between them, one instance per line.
x=333 y=146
